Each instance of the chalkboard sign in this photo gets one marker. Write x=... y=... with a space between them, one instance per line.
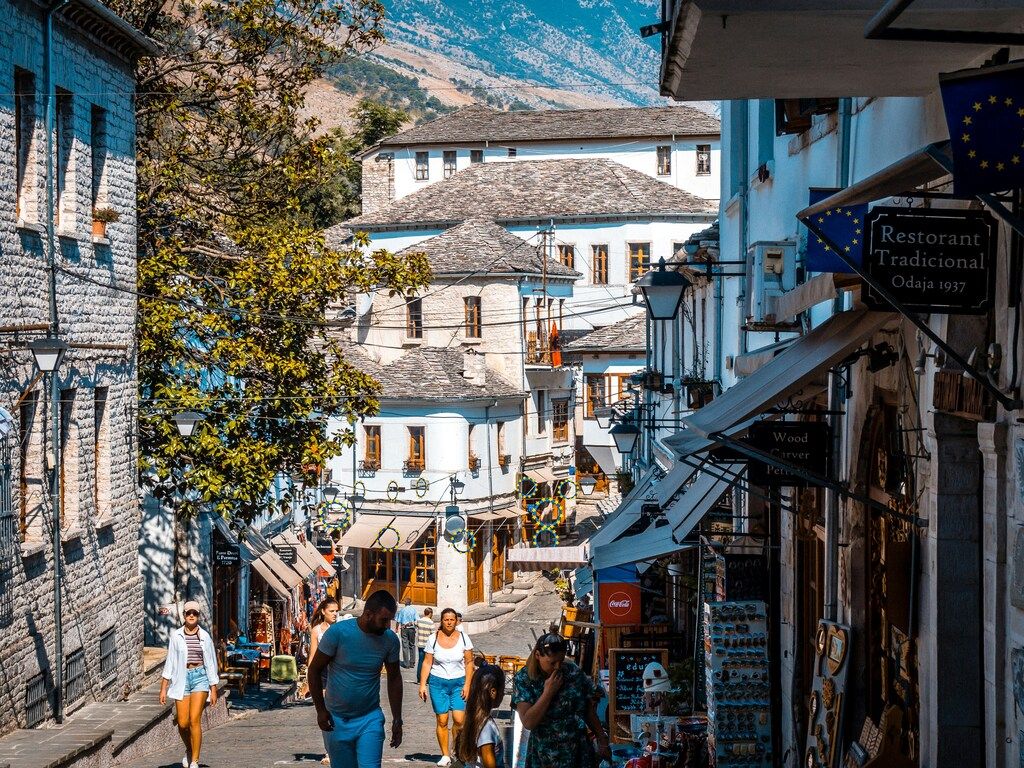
x=746 y=577
x=626 y=686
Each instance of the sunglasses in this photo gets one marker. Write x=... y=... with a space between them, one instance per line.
x=551 y=644
x=191 y=613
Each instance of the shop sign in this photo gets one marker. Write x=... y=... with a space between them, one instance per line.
x=619 y=603
x=804 y=444
x=941 y=261
x=224 y=552
x=286 y=553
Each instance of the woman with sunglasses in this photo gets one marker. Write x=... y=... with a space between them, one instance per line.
x=557 y=702
x=190 y=678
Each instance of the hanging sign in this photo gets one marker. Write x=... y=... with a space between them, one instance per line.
x=224 y=552
x=804 y=444
x=286 y=553
x=941 y=261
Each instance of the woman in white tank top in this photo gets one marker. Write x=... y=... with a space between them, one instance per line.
x=325 y=614
x=447 y=671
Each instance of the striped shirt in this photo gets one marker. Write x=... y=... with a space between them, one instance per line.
x=195 y=649
x=424 y=629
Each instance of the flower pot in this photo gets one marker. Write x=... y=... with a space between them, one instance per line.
x=99 y=228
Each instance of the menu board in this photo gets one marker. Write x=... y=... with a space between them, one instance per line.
x=626 y=685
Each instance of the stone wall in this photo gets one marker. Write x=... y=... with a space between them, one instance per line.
x=378 y=181
x=96 y=309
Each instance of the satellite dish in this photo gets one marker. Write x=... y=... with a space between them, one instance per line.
x=455 y=525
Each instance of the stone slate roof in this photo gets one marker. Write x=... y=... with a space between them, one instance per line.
x=629 y=335
x=429 y=373
x=483 y=246
x=477 y=124
x=536 y=189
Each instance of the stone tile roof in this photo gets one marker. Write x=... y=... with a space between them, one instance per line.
x=477 y=124
x=429 y=373
x=483 y=246
x=629 y=335
x=536 y=189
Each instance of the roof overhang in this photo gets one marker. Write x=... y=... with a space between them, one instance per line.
x=437 y=226
x=107 y=29
x=750 y=49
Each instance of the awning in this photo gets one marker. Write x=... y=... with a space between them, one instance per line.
x=626 y=512
x=785 y=375
x=523 y=558
x=286 y=573
x=582 y=582
x=498 y=514
x=747 y=363
x=922 y=167
x=540 y=475
x=367 y=531
x=272 y=581
x=305 y=553
x=667 y=535
x=819 y=288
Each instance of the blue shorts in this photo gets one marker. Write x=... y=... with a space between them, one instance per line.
x=196 y=681
x=446 y=695
x=356 y=742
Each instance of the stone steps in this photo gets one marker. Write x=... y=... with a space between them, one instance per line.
x=504 y=598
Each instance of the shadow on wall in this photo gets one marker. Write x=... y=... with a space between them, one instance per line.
x=156 y=566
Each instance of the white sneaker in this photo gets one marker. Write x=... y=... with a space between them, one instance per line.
x=445 y=761
x=194 y=765
x=184 y=762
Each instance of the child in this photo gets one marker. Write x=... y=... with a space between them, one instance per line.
x=479 y=742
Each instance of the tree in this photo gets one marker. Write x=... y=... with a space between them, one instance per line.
x=235 y=280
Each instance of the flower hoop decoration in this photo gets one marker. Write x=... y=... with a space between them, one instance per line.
x=335 y=508
x=523 y=494
x=385 y=547
x=392 y=491
x=469 y=539
x=421 y=486
x=359 y=489
x=545 y=528
x=565 y=489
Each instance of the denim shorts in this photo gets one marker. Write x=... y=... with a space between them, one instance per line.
x=446 y=695
x=196 y=680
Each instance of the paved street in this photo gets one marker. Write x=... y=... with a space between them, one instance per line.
x=288 y=735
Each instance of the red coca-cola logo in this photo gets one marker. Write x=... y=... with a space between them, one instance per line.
x=619 y=604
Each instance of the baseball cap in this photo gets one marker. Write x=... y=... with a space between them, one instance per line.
x=191 y=605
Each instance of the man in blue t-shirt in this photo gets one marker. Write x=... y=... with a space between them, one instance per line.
x=352 y=652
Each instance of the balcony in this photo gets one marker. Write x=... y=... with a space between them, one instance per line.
x=369 y=467
x=414 y=466
x=537 y=351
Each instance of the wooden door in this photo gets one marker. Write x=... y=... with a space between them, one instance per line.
x=475 y=573
x=499 y=543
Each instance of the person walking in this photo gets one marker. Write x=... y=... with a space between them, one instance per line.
x=405 y=624
x=352 y=654
x=323 y=617
x=479 y=742
x=557 y=702
x=424 y=629
x=446 y=674
x=190 y=678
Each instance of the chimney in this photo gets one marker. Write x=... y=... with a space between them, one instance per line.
x=474 y=370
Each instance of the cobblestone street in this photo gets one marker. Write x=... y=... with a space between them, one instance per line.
x=288 y=735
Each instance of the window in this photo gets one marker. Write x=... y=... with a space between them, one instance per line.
x=422 y=166
x=371 y=446
x=74 y=676
x=108 y=655
x=101 y=454
x=703 y=159
x=594 y=385
x=417 y=448
x=24 y=130
x=567 y=254
x=541 y=415
x=64 y=135
x=98 y=139
x=473 y=320
x=68 y=459
x=599 y=255
x=414 y=318
x=449 y=163
x=29 y=440
x=512 y=152
x=476 y=155
x=664 y=161
x=500 y=428
x=560 y=420
x=36 y=700
x=639 y=260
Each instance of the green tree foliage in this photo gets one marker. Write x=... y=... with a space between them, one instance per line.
x=235 y=279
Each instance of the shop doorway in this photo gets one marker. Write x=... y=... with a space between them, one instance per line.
x=404 y=573
x=501 y=574
x=475 y=572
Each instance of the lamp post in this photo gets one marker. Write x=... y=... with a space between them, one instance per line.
x=625 y=434
x=186 y=422
x=48 y=354
x=662 y=291
x=587 y=484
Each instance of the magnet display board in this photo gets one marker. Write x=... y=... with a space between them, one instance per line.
x=626 y=686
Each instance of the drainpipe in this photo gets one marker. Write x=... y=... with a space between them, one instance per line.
x=744 y=161
x=490 y=499
x=836 y=399
x=51 y=268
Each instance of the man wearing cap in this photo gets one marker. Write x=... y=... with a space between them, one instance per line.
x=352 y=653
x=190 y=678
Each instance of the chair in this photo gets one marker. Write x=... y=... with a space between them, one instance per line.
x=232 y=676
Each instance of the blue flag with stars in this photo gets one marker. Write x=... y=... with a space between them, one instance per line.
x=985 y=114
x=843 y=226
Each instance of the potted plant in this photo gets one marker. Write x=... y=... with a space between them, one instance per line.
x=100 y=218
x=474 y=463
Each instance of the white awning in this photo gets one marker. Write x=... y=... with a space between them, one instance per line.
x=809 y=294
x=749 y=362
x=390 y=531
x=268 y=576
x=306 y=553
x=523 y=558
x=541 y=475
x=787 y=374
x=667 y=535
x=286 y=573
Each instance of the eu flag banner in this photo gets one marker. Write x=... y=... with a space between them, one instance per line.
x=985 y=115
x=844 y=227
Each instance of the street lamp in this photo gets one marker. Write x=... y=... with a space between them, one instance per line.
x=48 y=353
x=662 y=291
x=603 y=416
x=625 y=435
x=587 y=484
x=186 y=422
x=330 y=492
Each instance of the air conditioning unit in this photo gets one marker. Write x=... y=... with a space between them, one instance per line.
x=773 y=273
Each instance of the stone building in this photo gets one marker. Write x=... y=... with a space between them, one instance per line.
x=93 y=54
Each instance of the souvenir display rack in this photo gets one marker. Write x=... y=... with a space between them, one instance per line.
x=828 y=692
